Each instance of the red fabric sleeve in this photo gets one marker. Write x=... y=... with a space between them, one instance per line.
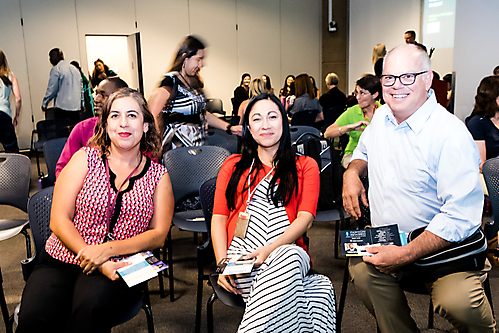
x=310 y=184
x=220 y=203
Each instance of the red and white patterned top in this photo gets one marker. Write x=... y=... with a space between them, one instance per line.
x=135 y=205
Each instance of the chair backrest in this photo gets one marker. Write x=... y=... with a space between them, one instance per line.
x=52 y=149
x=207 y=197
x=39 y=207
x=15 y=174
x=190 y=167
x=304 y=118
x=53 y=128
x=220 y=138
x=331 y=114
x=300 y=132
x=490 y=171
x=215 y=105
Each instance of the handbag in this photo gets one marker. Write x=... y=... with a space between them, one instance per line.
x=466 y=255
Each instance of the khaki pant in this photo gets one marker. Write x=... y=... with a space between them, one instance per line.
x=458 y=297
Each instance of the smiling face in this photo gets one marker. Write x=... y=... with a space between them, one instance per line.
x=193 y=65
x=364 y=97
x=405 y=100
x=99 y=66
x=289 y=80
x=246 y=81
x=265 y=124
x=125 y=123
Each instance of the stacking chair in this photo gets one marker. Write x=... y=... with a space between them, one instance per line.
x=304 y=118
x=189 y=168
x=52 y=150
x=47 y=130
x=220 y=138
x=299 y=133
x=40 y=205
x=215 y=105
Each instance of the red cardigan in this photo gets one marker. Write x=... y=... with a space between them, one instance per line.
x=306 y=200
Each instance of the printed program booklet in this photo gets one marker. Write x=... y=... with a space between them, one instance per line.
x=235 y=265
x=354 y=242
x=143 y=266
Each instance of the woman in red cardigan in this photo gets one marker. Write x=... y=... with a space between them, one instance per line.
x=265 y=201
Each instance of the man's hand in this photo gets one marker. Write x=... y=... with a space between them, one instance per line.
x=352 y=189
x=387 y=258
x=357 y=126
x=237 y=130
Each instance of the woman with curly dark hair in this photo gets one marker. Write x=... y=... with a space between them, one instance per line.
x=101 y=71
x=110 y=201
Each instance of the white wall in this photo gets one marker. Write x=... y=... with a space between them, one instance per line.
x=476 y=49
x=378 y=22
x=275 y=37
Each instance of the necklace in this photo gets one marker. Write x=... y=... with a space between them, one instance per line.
x=185 y=80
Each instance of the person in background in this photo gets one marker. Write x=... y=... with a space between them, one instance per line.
x=334 y=101
x=379 y=53
x=84 y=130
x=440 y=89
x=450 y=92
x=268 y=84
x=287 y=92
x=483 y=122
x=496 y=70
x=279 y=191
x=65 y=88
x=356 y=118
x=87 y=90
x=179 y=104
x=111 y=201
x=316 y=91
x=241 y=93
x=100 y=72
x=306 y=99
x=8 y=123
x=256 y=88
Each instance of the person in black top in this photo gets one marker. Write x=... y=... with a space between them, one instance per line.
x=241 y=93
x=334 y=101
x=483 y=123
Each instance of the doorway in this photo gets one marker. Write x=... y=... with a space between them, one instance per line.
x=122 y=53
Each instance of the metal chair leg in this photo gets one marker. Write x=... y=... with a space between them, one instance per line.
x=199 y=300
x=3 y=306
x=209 y=312
x=430 y=315
x=343 y=295
x=28 y=241
x=170 y=266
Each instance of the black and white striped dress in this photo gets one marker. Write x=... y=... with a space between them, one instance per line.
x=279 y=295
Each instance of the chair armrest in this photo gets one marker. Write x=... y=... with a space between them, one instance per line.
x=27 y=266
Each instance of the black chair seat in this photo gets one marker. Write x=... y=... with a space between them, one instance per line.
x=183 y=220
x=230 y=299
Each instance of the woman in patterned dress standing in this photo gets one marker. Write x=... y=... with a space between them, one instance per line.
x=279 y=192
x=179 y=104
x=110 y=201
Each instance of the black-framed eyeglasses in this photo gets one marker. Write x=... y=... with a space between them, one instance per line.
x=406 y=79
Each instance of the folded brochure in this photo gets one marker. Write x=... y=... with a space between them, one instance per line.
x=143 y=266
x=235 y=265
x=354 y=242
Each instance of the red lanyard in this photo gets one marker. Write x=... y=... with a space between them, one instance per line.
x=111 y=205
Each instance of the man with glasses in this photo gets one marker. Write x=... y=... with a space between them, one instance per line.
x=423 y=172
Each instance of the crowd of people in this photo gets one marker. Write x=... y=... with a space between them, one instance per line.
x=113 y=198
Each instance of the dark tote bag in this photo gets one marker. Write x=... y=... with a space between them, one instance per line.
x=467 y=255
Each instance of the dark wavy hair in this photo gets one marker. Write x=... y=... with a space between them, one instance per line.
x=150 y=141
x=303 y=85
x=106 y=68
x=187 y=49
x=242 y=78
x=284 y=89
x=284 y=161
x=370 y=83
x=486 y=96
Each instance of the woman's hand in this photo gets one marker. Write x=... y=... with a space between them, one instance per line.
x=237 y=130
x=260 y=254
x=357 y=126
x=109 y=269
x=92 y=256
x=227 y=282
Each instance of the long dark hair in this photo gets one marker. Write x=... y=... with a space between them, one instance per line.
x=284 y=161
x=4 y=69
x=187 y=49
x=486 y=95
x=284 y=89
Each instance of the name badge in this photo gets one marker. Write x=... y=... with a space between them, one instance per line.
x=242 y=225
